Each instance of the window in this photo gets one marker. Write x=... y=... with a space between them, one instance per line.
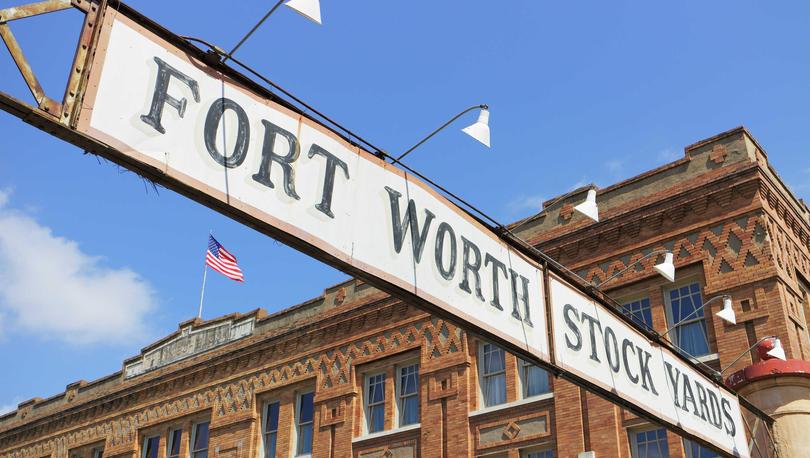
x=98 y=452
x=150 y=447
x=304 y=420
x=199 y=440
x=173 y=446
x=493 y=375
x=375 y=403
x=695 y=450
x=640 y=312
x=408 y=395
x=270 y=429
x=533 y=379
x=649 y=444
x=686 y=308
x=535 y=453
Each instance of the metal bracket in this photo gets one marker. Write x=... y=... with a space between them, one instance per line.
x=66 y=110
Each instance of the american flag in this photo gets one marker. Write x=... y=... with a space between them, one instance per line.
x=219 y=259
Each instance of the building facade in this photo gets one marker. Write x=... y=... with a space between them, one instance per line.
x=358 y=373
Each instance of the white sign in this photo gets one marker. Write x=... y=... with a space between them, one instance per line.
x=155 y=104
x=594 y=344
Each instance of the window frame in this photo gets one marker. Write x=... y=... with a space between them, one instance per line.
x=170 y=442
x=367 y=406
x=399 y=399
x=687 y=449
x=193 y=438
x=631 y=436
x=522 y=368
x=671 y=320
x=543 y=450
x=144 y=447
x=263 y=432
x=625 y=301
x=482 y=377
x=299 y=396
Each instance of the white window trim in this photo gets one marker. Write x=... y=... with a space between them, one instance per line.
x=170 y=441
x=509 y=405
x=521 y=365
x=146 y=441
x=481 y=395
x=388 y=432
x=366 y=406
x=671 y=320
x=631 y=432
x=264 y=424
x=398 y=399
x=298 y=398
x=193 y=437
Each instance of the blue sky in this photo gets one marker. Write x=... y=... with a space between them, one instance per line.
x=95 y=264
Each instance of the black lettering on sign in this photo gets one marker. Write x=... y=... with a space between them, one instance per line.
x=497 y=266
x=731 y=428
x=714 y=403
x=161 y=97
x=592 y=324
x=523 y=298
x=644 y=368
x=448 y=273
x=627 y=344
x=469 y=265
x=332 y=162
x=675 y=380
x=568 y=310
x=702 y=400
x=689 y=395
x=271 y=131
x=212 y=121
x=410 y=220
x=612 y=356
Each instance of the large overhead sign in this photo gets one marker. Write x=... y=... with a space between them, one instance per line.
x=152 y=103
x=594 y=344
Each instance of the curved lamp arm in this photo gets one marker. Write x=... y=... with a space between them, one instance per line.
x=743 y=353
x=255 y=27
x=475 y=107
x=654 y=253
x=669 y=329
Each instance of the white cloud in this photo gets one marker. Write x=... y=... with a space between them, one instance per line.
x=50 y=287
x=669 y=155
x=534 y=203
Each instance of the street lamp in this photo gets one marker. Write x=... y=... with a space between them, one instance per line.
x=589 y=207
x=478 y=130
x=310 y=9
x=666 y=268
x=777 y=352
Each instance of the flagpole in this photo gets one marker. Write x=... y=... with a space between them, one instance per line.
x=202 y=292
x=205 y=274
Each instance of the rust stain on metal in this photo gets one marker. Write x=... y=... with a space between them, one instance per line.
x=33 y=9
x=74 y=92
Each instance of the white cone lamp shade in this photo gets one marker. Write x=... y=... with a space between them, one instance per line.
x=777 y=351
x=310 y=9
x=480 y=130
x=666 y=268
x=589 y=207
x=727 y=314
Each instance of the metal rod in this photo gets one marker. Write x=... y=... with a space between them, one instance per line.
x=702 y=307
x=654 y=253
x=255 y=27
x=743 y=353
x=482 y=107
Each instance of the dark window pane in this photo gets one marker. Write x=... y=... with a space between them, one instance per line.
x=201 y=436
x=305 y=415
x=376 y=418
x=410 y=410
x=272 y=417
x=176 y=437
x=270 y=445
x=305 y=439
x=152 y=445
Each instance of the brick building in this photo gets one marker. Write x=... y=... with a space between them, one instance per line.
x=357 y=373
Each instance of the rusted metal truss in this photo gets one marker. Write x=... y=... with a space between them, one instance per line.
x=65 y=111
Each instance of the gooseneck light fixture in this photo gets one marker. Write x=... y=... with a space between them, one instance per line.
x=777 y=352
x=589 y=207
x=310 y=9
x=479 y=130
x=726 y=313
x=666 y=268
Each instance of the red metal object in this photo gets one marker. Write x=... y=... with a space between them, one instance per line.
x=764 y=347
x=768 y=368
